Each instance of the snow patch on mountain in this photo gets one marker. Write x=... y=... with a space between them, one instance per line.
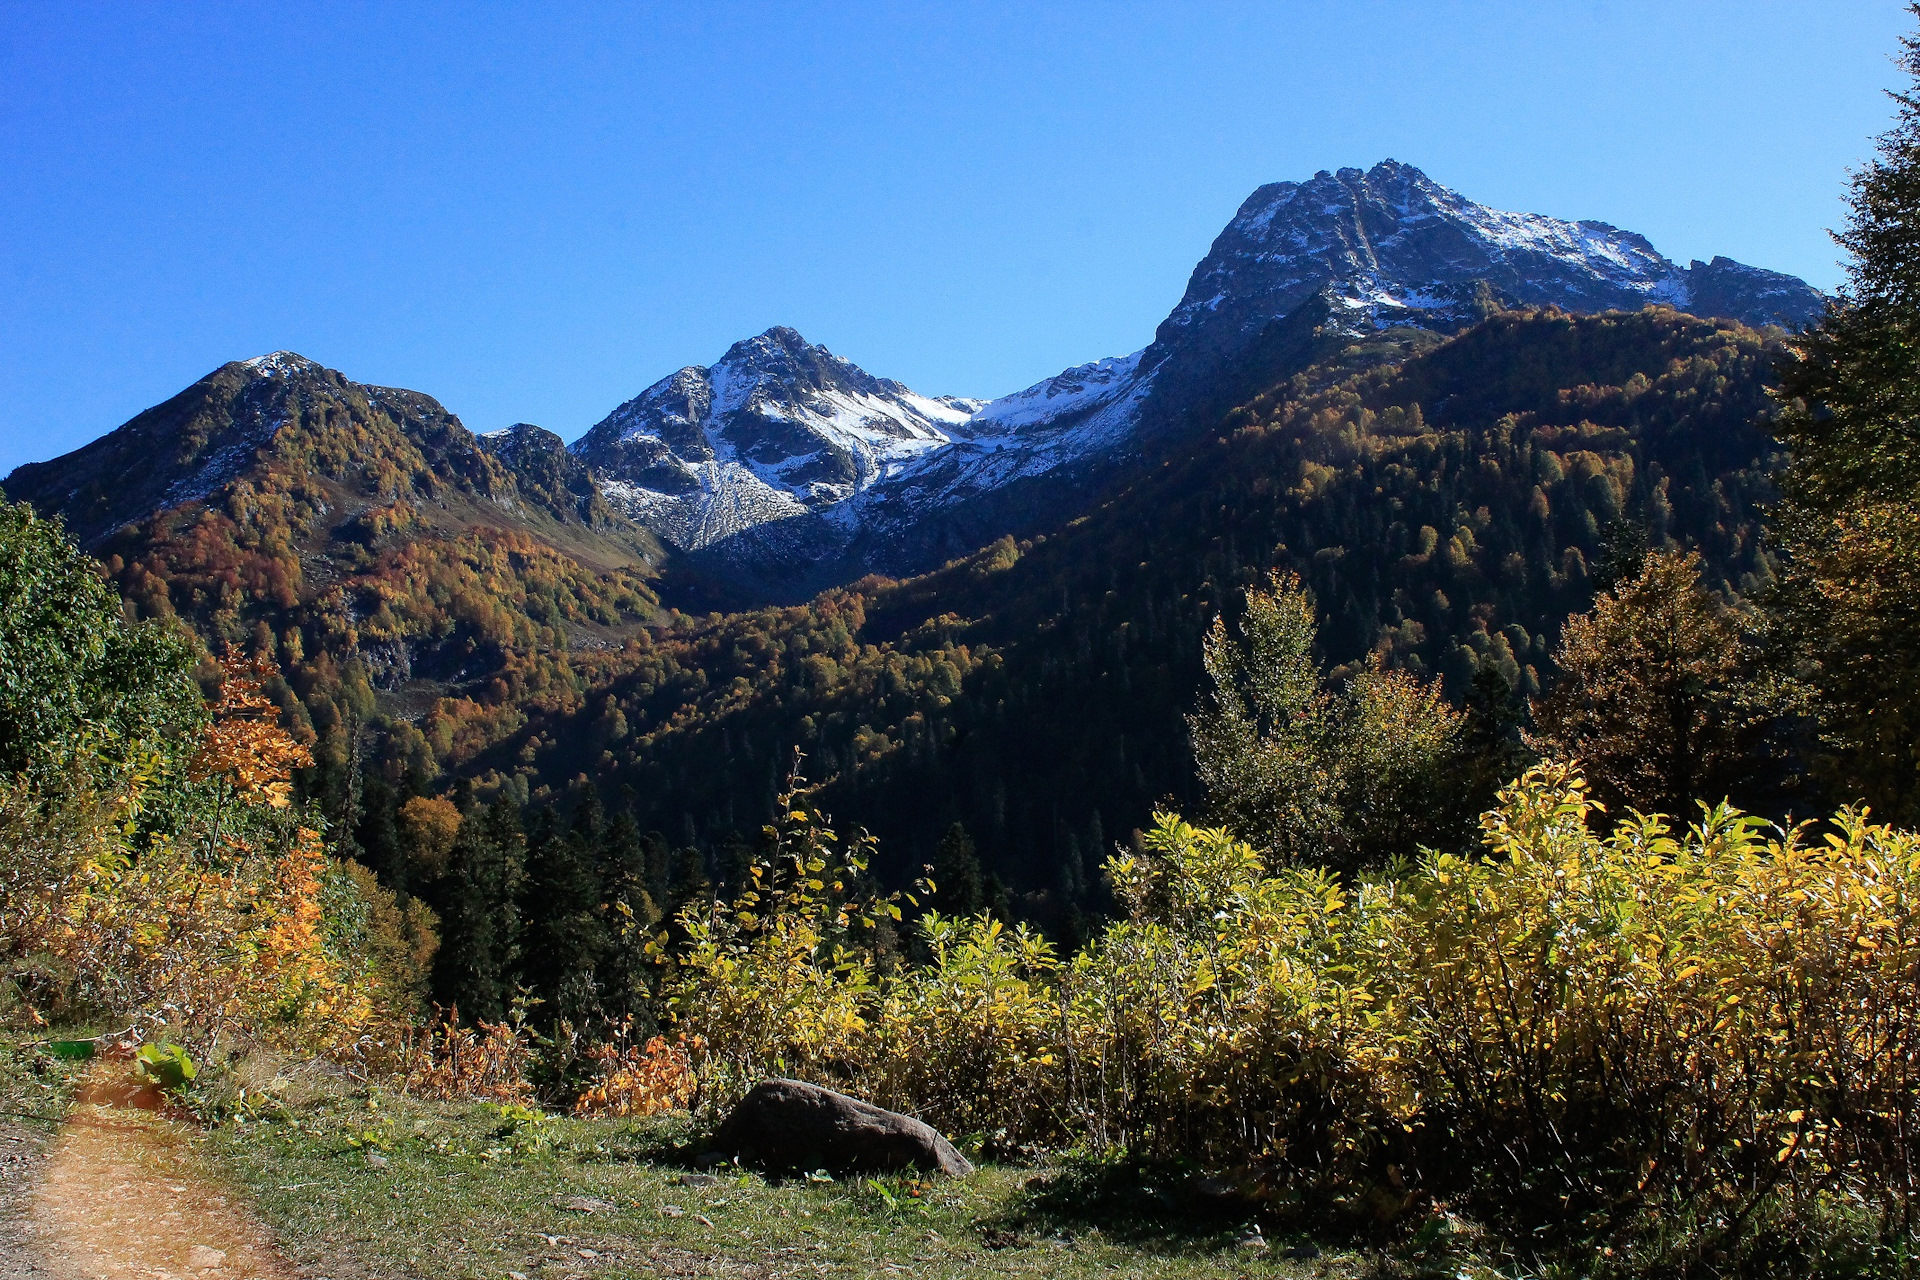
x=285 y=364
x=1080 y=389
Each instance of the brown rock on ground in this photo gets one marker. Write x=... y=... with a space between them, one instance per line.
x=789 y=1124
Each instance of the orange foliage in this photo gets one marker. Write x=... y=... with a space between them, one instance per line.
x=430 y=825
x=641 y=1080
x=446 y=1060
x=243 y=744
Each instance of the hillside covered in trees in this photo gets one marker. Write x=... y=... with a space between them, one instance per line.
x=1447 y=510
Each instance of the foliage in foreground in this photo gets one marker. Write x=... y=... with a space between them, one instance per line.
x=153 y=866
x=1580 y=1038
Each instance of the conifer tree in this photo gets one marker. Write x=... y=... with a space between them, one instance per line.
x=479 y=919
x=1492 y=737
x=957 y=889
x=378 y=834
x=1851 y=525
x=566 y=935
x=1348 y=777
x=631 y=916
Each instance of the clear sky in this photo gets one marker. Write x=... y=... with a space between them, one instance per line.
x=533 y=211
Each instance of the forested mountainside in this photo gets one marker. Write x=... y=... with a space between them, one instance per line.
x=407 y=577
x=443 y=606
x=1447 y=511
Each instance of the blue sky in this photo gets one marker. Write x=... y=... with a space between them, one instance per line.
x=533 y=212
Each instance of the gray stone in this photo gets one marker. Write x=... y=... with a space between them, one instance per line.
x=788 y=1124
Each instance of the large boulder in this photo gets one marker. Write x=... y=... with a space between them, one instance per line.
x=789 y=1124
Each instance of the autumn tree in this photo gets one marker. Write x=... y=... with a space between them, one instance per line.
x=1345 y=777
x=1662 y=696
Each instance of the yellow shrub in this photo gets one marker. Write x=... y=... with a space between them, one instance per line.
x=781 y=981
x=1708 y=1018
x=971 y=1040
x=1576 y=1032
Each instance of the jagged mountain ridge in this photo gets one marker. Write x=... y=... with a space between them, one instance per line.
x=783 y=468
x=782 y=459
x=789 y=468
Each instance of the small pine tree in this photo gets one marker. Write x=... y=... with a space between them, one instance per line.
x=1492 y=737
x=957 y=889
x=631 y=914
x=566 y=934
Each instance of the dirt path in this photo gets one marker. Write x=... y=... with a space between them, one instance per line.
x=22 y=1154
x=116 y=1197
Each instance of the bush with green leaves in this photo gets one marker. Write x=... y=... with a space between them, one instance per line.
x=74 y=674
x=1588 y=1041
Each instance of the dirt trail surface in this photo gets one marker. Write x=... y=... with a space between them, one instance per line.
x=116 y=1196
x=22 y=1150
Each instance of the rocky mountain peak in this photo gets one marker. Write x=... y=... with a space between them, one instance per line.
x=1389 y=245
x=284 y=364
x=776 y=428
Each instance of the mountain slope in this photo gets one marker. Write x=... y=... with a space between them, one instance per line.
x=1447 y=511
x=402 y=573
x=787 y=469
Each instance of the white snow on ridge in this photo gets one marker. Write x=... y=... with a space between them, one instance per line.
x=1079 y=388
x=773 y=447
x=1336 y=221
x=779 y=429
x=282 y=362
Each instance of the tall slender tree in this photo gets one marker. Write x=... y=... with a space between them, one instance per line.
x=479 y=918
x=566 y=933
x=630 y=917
x=1851 y=521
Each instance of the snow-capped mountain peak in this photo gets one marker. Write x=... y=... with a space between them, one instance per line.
x=776 y=428
x=782 y=459
x=1389 y=245
x=283 y=364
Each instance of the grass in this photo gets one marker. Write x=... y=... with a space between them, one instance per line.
x=362 y=1180
x=35 y=1085
x=359 y=1181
